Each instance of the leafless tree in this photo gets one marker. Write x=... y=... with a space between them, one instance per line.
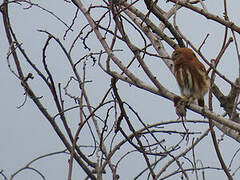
x=110 y=127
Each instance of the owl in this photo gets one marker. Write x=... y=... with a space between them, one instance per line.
x=191 y=75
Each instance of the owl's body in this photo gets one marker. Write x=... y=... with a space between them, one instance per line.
x=190 y=74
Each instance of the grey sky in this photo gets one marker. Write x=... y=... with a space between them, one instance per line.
x=25 y=134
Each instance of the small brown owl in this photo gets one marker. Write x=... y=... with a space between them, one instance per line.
x=191 y=75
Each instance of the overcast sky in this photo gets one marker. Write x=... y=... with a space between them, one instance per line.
x=25 y=134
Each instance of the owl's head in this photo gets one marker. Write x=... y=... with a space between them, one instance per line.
x=183 y=53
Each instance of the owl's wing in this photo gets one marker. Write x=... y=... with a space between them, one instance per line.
x=199 y=65
x=196 y=67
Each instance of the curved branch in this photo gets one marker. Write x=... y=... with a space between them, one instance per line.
x=152 y=6
x=213 y=17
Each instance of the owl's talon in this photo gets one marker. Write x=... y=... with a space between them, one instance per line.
x=185 y=101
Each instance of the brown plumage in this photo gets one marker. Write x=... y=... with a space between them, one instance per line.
x=191 y=75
